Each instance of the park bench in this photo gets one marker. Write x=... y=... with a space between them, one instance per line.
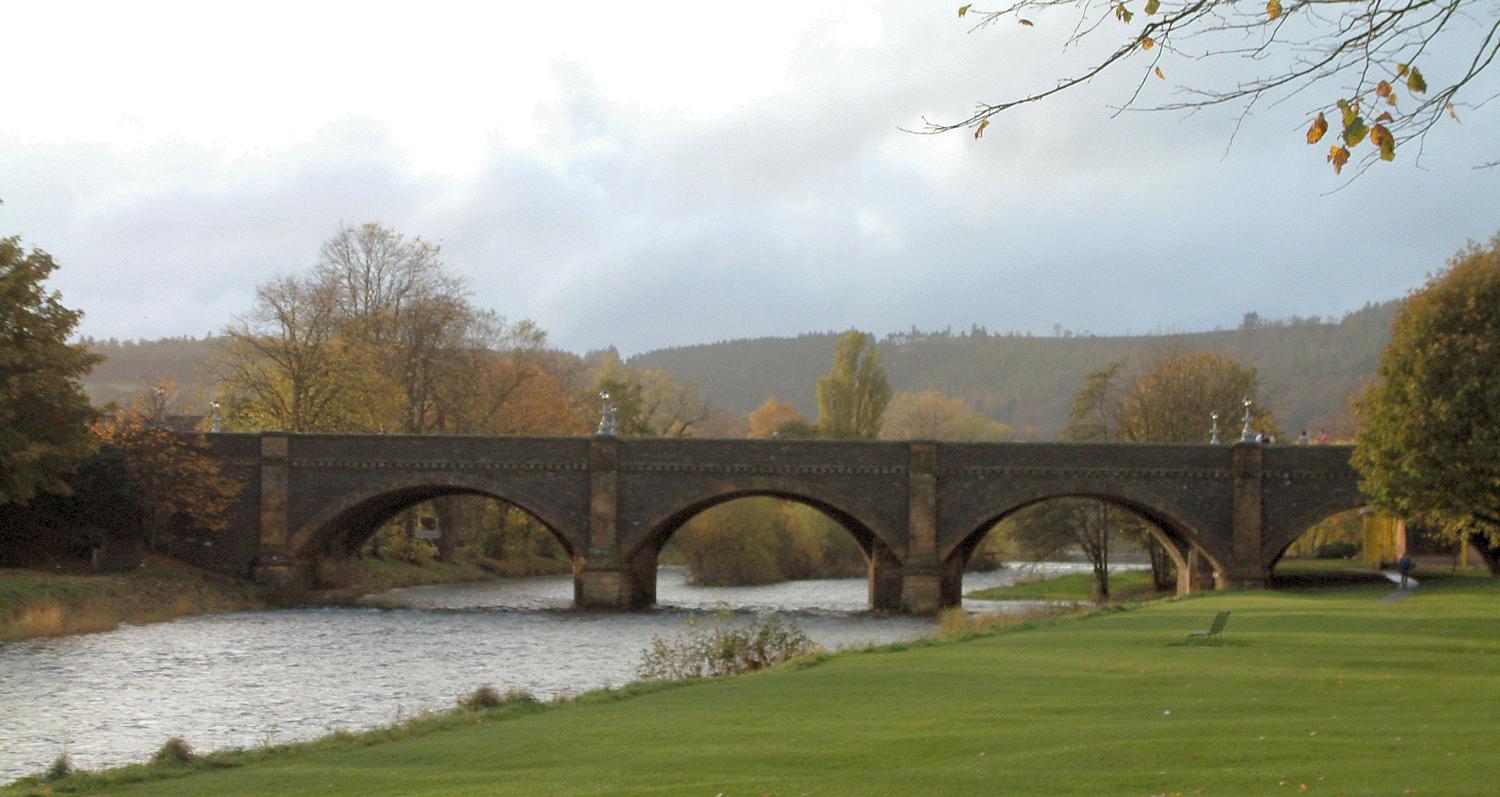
x=1211 y=636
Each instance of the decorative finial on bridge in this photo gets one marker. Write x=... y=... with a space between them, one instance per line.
x=1213 y=436
x=1246 y=436
x=215 y=421
x=607 y=415
x=159 y=395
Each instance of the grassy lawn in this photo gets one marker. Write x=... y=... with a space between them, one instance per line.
x=1328 y=691
x=1124 y=585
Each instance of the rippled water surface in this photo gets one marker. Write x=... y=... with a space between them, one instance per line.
x=238 y=680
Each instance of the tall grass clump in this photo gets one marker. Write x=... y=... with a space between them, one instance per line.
x=174 y=751
x=711 y=650
x=62 y=767
x=488 y=697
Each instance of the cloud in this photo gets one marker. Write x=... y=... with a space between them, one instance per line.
x=797 y=206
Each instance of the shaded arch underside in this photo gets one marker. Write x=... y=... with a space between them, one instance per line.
x=1295 y=524
x=660 y=530
x=1172 y=532
x=344 y=526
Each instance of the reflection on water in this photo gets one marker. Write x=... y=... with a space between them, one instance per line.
x=238 y=680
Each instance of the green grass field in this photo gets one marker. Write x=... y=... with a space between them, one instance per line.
x=1316 y=691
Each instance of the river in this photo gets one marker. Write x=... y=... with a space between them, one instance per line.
x=253 y=678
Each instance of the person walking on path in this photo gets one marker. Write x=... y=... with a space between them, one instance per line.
x=1404 y=566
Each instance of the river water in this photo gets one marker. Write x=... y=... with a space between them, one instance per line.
x=252 y=678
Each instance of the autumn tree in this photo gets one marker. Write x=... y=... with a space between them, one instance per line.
x=283 y=365
x=1430 y=445
x=768 y=419
x=649 y=403
x=179 y=478
x=1360 y=63
x=1174 y=401
x=933 y=415
x=44 y=414
x=853 y=395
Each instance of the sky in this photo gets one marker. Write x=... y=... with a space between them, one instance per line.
x=643 y=175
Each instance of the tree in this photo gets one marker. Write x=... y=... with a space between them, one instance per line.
x=1091 y=526
x=284 y=367
x=179 y=478
x=1372 y=54
x=932 y=415
x=853 y=395
x=1170 y=402
x=44 y=413
x=649 y=403
x=767 y=419
x=1430 y=446
x=1174 y=401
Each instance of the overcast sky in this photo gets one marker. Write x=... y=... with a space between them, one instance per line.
x=653 y=174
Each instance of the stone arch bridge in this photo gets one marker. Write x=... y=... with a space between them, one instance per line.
x=918 y=509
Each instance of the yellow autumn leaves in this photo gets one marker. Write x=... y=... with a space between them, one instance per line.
x=1355 y=130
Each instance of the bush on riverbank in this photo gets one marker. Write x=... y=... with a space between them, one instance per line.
x=41 y=604
x=711 y=649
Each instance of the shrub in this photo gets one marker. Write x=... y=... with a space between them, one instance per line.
x=61 y=768
x=488 y=697
x=711 y=650
x=174 y=751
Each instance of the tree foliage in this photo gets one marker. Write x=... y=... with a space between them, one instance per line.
x=44 y=414
x=853 y=395
x=1362 y=62
x=179 y=477
x=769 y=418
x=932 y=415
x=1430 y=445
x=380 y=337
x=1174 y=401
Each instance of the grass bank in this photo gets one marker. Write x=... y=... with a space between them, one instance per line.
x=1124 y=585
x=1317 y=691
x=40 y=604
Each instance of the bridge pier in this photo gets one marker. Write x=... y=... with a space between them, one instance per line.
x=924 y=583
x=1246 y=568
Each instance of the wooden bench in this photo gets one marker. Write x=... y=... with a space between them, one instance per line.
x=1211 y=636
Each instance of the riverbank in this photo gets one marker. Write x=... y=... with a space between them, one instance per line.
x=41 y=604
x=38 y=603
x=1312 y=691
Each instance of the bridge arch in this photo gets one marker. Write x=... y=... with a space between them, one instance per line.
x=338 y=528
x=883 y=553
x=1297 y=521
x=660 y=526
x=1184 y=543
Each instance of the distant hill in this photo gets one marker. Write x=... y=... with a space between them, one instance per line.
x=131 y=366
x=1309 y=368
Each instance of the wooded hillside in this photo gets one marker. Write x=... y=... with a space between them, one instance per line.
x=1310 y=368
